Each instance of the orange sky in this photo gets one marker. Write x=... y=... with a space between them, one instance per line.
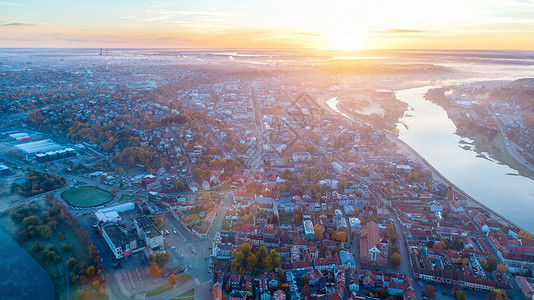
x=335 y=24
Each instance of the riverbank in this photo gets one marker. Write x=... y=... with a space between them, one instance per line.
x=410 y=152
x=401 y=144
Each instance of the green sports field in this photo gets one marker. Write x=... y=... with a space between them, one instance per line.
x=86 y=196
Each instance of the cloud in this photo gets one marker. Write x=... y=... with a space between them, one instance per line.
x=18 y=23
x=400 y=31
x=308 y=33
x=11 y=4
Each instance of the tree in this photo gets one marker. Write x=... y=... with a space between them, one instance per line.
x=273 y=219
x=382 y=293
x=340 y=236
x=297 y=216
x=429 y=290
x=460 y=294
x=484 y=263
x=304 y=279
x=391 y=234
x=245 y=249
x=66 y=247
x=395 y=249
x=501 y=268
x=37 y=247
x=441 y=245
x=90 y=271
x=172 y=280
x=81 y=294
x=356 y=212
x=318 y=232
x=274 y=259
x=31 y=220
x=262 y=252
x=179 y=186
x=154 y=270
x=72 y=262
x=492 y=263
x=306 y=291
x=158 y=221
x=395 y=259
x=252 y=260
x=524 y=235
x=96 y=285
x=161 y=258
x=497 y=294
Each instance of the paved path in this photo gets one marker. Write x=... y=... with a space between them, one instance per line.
x=67 y=277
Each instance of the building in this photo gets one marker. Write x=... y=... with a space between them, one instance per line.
x=279 y=295
x=526 y=287
x=347 y=259
x=265 y=293
x=309 y=232
x=147 y=231
x=117 y=241
x=301 y=156
x=374 y=247
x=217 y=291
x=4 y=170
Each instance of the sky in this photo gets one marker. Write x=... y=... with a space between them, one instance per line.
x=325 y=24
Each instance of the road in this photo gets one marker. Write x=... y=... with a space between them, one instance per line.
x=511 y=147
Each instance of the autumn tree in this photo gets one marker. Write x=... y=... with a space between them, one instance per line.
x=262 y=252
x=252 y=261
x=395 y=259
x=297 y=216
x=458 y=293
x=172 y=280
x=524 y=235
x=96 y=285
x=158 y=221
x=154 y=270
x=90 y=271
x=391 y=234
x=501 y=268
x=339 y=236
x=318 y=232
x=429 y=290
x=497 y=294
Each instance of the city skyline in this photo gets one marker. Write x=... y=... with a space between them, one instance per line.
x=333 y=25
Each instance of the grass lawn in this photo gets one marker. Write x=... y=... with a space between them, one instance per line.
x=186 y=295
x=184 y=278
x=86 y=196
x=286 y=220
x=159 y=290
x=126 y=197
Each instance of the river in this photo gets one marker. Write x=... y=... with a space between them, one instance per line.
x=21 y=277
x=432 y=134
x=426 y=127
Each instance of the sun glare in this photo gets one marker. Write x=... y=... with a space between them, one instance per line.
x=344 y=40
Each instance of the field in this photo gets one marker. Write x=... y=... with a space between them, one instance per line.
x=86 y=196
